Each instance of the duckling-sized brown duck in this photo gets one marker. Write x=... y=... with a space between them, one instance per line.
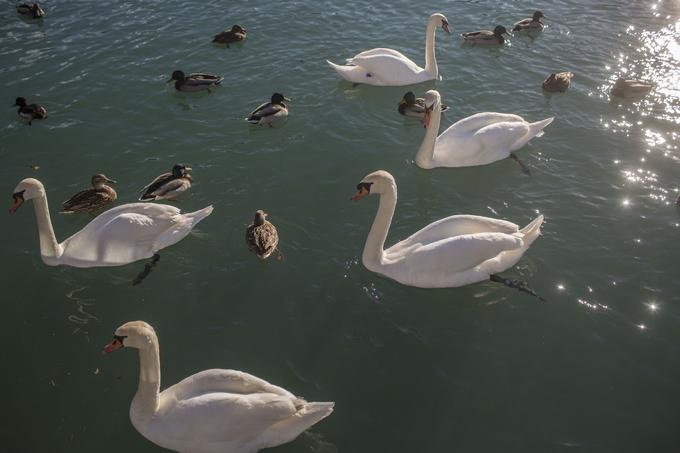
x=631 y=88
x=261 y=236
x=530 y=23
x=415 y=107
x=236 y=34
x=30 y=111
x=194 y=82
x=558 y=82
x=168 y=185
x=90 y=200
x=30 y=10
x=486 y=37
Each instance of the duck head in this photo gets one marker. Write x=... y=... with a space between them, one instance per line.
x=378 y=182
x=237 y=29
x=27 y=189
x=433 y=101
x=100 y=179
x=180 y=170
x=409 y=99
x=260 y=217
x=133 y=334
x=537 y=16
x=21 y=102
x=500 y=30
x=278 y=98
x=176 y=75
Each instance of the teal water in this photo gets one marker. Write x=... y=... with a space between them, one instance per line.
x=479 y=368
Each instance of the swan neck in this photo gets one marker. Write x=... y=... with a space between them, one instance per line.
x=425 y=154
x=147 y=398
x=430 y=60
x=49 y=247
x=373 y=250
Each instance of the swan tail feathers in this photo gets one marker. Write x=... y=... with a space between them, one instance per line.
x=199 y=215
x=288 y=429
x=354 y=74
x=531 y=231
x=536 y=129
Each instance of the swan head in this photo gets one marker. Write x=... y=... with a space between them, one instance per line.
x=27 y=189
x=378 y=182
x=433 y=100
x=133 y=334
x=440 y=21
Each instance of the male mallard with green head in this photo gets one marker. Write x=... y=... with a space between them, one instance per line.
x=194 y=82
x=236 y=34
x=30 y=10
x=269 y=111
x=487 y=37
x=261 y=236
x=530 y=23
x=168 y=185
x=558 y=82
x=415 y=107
x=30 y=111
x=631 y=88
x=92 y=199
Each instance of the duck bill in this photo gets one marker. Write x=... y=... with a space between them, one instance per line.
x=112 y=181
x=426 y=118
x=286 y=99
x=113 y=346
x=188 y=168
x=18 y=201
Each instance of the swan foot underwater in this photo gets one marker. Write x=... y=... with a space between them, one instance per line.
x=455 y=251
x=147 y=270
x=122 y=235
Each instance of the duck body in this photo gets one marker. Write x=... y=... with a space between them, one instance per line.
x=479 y=139
x=631 y=88
x=90 y=200
x=454 y=251
x=558 y=82
x=388 y=67
x=168 y=186
x=196 y=81
x=261 y=236
x=273 y=111
x=415 y=107
x=236 y=34
x=530 y=23
x=119 y=236
x=30 y=10
x=486 y=37
x=213 y=411
x=30 y=111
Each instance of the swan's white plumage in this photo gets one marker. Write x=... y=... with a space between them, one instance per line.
x=121 y=235
x=479 y=139
x=388 y=67
x=213 y=411
x=454 y=251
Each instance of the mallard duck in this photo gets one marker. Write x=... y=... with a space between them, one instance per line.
x=415 y=107
x=269 y=111
x=168 y=185
x=30 y=111
x=558 y=82
x=631 y=88
x=487 y=37
x=32 y=10
x=236 y=34
x=530 y=23
x=194 y=82
x=261 y=236
x=92 y=199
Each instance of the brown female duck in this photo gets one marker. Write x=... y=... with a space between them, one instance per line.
x=236 y=34
x=558 y=82
x=90 y=200
x=261 y=236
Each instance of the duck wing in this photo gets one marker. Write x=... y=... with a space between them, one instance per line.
x=87 y=200
x=147 y=191
x=262 y=239
x=266 y=109
x=201 y=79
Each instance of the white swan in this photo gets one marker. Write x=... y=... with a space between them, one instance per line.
x=476 y=140
x=213 y=411
x=121 y=235
x=454 y=251
x=387 y=67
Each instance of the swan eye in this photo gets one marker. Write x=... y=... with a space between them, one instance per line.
x=19 y=196
x=120 y=338
x=365 y=186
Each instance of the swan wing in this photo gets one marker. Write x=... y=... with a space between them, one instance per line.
x=123 y=234
x=451 y=226
x=377 y=51
x=456 y=254
x=388 y=68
